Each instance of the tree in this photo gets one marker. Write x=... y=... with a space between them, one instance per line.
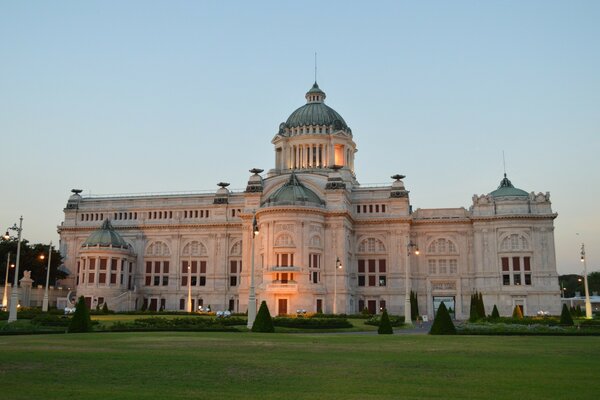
x=473 y=309
x=385 y=326
x=81 y=321
x=495 y=313
x=30 y=260
x=442 y=324
x=414 y=305
x=105 y=309
x=517 y=313
x=565 y=316
x=263 y=321
x=480 y=305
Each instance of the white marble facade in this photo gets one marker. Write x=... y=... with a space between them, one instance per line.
x=311 y=211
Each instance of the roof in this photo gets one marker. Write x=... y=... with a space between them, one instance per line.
x=316 y=112
x=106 y=236
x=293 y=192
x=506 y=189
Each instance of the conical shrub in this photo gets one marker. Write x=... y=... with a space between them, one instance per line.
x=565 y=317
x=81 y=321
x=517 y=313
x=473 y=309
x=263 y=321
x=495 y=313
x=442 y=324
x=480 y=306
x=385 y=326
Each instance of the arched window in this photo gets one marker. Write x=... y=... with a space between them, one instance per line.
x=371 y=245
x=236 y=249
x=514 y=242
x=315 y=241
x=441 y=246
x=284 y=240
x=194 y=248
x=158 y=249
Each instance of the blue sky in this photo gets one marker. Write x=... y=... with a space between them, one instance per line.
x=138 y=96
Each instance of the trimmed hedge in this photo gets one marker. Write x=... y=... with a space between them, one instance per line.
x=395 y=320
x=312 y=323
x=385 y=327
x=442 y=324
x=263 y=322
x=176 y=324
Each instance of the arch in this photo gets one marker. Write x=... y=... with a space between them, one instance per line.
x=158 y=248
x=284 y=240
x=514 y=242
x=442 y=246
x=194 y=248
x=236 y=248
x=315 y=241
x=371 y=245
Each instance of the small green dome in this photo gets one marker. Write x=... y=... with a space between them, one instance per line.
x=506 y=189
x=316 y=112
x=293 y=192
x=105 y=236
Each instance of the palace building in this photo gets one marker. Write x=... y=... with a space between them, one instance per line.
x=325 y=243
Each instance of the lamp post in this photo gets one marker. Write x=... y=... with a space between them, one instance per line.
x=338 y=265
x=45 y=301
x=189 y=299
x=588 y=305
x=14 y=295
x=407 y=307
x=252 y=294
x=5 y=296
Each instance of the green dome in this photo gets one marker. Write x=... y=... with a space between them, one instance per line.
x=506 y=189
x=316 y=112
x=293 y=193
x=105 y=236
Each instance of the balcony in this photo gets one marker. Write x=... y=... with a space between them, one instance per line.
x=290 y=268
x=279 y=287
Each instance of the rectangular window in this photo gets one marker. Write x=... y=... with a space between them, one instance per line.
x=113 y=264
x=517 y=279
x=182 y=304
x=371 y=280
x=165 y=280
x=92 y=265
x=453 y=266
x=432 y=269
x=381 y=305
x=361 y=280
x=157 y=267
x=156 y=280
x=516 y=264
x=383 y=208
x=194 y=280
x=202 y=281
x=526 y=264
x=113 y=278
x=506 y=279
x=371 y=266
x=528 y=279
x=102 y=277
x=504 y=263
x=442 y=267
x=148 y=267
x=382 y=280
x=148 y=280
x=91 y=277
x=233 y=281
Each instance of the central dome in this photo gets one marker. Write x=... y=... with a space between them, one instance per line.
x=293 y=192
x=315 y=112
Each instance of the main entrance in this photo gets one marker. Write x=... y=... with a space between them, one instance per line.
x=282 y=307
x=448 y=302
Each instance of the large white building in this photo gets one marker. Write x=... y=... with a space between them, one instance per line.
x=313 y=216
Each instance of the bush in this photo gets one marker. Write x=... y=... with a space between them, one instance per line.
x=442 y=324
x=495 y=313
x=263 y=321
x=565 y=316
x=105 y=309
x=414 y=305
x=81 y=321
x=517 y=313
x=175 y=324
x=50 y=320
x=395 y=320
x=385 y=327
x=312 y=323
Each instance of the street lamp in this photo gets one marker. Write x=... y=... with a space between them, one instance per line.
x=45 y=301
x=14 y=295
x=189 y=299
x=407 y=307
x=588 y=305
x=5 y=296
x=252 y=294
x=338 y=265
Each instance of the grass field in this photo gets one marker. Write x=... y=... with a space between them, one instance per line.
x=296 y=366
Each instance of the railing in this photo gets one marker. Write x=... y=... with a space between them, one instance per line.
x=283 y=287
x=149 y=194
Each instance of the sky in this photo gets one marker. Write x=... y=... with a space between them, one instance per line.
x=156 y=96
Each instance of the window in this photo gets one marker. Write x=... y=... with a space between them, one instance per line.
x=197 y=272
x=314 y=268
x=157 y=273
x=285 y=259
x=371 y=245
x=514 y=242
x=442 y=266
x=443 y=246
x=520 y=268
x=235 y=269
x=372 y=272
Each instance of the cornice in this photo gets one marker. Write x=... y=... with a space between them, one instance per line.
x=138 y=227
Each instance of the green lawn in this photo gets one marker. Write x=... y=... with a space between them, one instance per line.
x=303 y=366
